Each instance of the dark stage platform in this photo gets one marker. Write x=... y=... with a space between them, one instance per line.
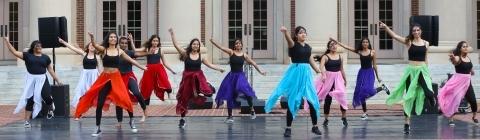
x=263 y=128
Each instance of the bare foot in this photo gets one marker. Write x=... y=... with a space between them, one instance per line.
x=143 y=119
x=119 y=124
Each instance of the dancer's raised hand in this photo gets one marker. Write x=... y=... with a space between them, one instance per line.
x=382 y=25
x=283 y=29
x=170 y=29
x=90 y=32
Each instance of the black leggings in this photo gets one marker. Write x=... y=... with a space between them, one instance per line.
x=470 y=96
x=313 y=115
x=133 y=87
x=364 y=105
x=46 y=96
x=249 y=101
x=328 y=102
x=421 y=80
x=102 y=95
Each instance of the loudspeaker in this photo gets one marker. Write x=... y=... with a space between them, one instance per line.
x=207 y=105
x=61 y=99
x=427 y=109
x=258 y=106
x=429 y=25
x=50 y=28
x=284 y=103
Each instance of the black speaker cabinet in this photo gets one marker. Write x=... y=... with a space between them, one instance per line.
x=284 y=103
x=427 y=109
x=50 y=28
x=429 y=25
x=61 y=99
x=207 y=105
x=258 y=106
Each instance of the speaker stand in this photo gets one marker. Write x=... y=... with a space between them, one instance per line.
x=53 y=54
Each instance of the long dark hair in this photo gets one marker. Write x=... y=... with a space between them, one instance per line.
x=235 y=42
x=410 y=35
x=105 y=43
x=188 y=49
x=359 y=46
x=148 y=44
x=32 y=46
x=319 y=57
x=294 y=36
x=456 y=51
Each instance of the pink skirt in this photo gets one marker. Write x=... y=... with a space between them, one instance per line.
x=338 y=92
x=453 y=92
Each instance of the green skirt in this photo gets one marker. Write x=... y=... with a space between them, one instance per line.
x=415 y=91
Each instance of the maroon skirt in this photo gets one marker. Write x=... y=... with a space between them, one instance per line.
x=187 y=88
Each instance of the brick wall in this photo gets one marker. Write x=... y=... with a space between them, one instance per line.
x=80 y=23
x=338 y=20
x=292 y=16
x=156 y=17
x=202 y=21
x=415 y=7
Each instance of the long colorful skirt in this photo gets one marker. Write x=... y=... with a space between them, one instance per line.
x=333 y=79
x=188 y=89
x=415 y=93
x=296 y=84
x=155 y=79
x=364 y=89
x=118 y=95
x=234 y=85
x=33 y=87
x=87 y=78
x=453 y=92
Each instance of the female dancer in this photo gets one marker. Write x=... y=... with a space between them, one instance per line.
x=459 y=85
x=155 y=79
x=416 y=80
x=235 y=83
x=332 y=82
x=297 y=82
x=364 y=88
x=130 y=81
x=37 y=87
x=101 y=93
x=91 y=69
x=194 y=86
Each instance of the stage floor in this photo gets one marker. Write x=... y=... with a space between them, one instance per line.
x=200 y=128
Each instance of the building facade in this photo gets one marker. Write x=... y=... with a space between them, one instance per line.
x=256 y=22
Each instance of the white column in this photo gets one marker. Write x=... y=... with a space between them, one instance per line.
x=319 y=17
x=452 y=27
x=52 y=8
x=184 y=17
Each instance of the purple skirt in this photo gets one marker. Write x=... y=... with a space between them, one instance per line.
x=234 y=85
x=365 y=86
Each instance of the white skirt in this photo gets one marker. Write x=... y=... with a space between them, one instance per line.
x=87 y=78
x=33 y=87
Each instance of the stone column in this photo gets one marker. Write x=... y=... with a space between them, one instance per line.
x=184 y=17
x=453 y=28
x=319 y=17
x=43 y=8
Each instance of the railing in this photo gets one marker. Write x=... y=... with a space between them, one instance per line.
x=247 y=68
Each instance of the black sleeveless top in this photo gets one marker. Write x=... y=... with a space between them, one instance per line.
x=366 y=61
x=417 y=53
x=193 y=65
x=333 y=65
x=236 y=63
x=111 y=61
x=90 y=63
x=464 y=67
x=154 y=58
x=299 y=53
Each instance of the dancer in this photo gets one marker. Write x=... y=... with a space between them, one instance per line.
x=235 y=84
x=130 y=81
x=91 y=70
x=37 y=87
x=459 y=85
x=364 y=88
x=109 y=87
x=155 y=79
x=331 y=84
x=297 y=82
x=194 y=86
x=416 y=80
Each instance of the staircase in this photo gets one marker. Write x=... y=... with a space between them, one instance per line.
x=12 y=79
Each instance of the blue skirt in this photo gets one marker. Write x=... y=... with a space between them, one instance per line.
x=364 y=88
x=296 y=84
x=234 y=85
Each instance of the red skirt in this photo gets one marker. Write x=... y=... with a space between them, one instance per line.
x=126 y=79
x=118 y=95
x=187 y=88
x=155 y=79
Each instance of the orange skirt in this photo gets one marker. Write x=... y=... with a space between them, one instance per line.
x=118 y=95
x=155 y=79
x=126 y=79
x=187 y=88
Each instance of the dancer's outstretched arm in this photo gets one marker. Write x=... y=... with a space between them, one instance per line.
x=210 y=65
x=71 y=47
x=393 y=35
x=343 y=72
x=12 y=49
x=343 y=45
x=287 y=37
x=374 y=61
x=180 y=50
x=99 y=48
x=249 y=60
x=224 y=49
